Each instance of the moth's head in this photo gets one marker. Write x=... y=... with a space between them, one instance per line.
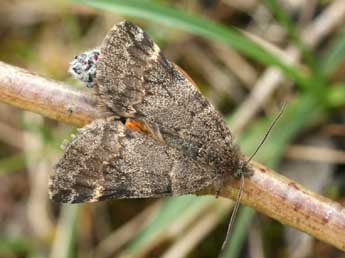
x=83 y=67
x=244 y=169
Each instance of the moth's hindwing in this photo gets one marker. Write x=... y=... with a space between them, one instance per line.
x=107 y=160
x=134 y=79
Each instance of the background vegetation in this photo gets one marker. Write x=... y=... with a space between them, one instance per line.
x=246 y=56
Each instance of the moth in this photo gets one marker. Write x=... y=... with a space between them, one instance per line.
x=157 y=135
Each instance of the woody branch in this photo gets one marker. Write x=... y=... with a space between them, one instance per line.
x=266 y=191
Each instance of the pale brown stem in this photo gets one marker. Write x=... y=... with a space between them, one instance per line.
x=266 y=191
x=291 y=204
x=49 y=98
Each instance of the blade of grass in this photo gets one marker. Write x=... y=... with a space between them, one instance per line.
x=239 y=234
x=174 y=209
x=284 y=20
x=334 y=55
x=13 y=163
x=65 y=236
x=299 y=114
x=200 y=26
x=170 y=210
x=336 y=96
x=13 y=247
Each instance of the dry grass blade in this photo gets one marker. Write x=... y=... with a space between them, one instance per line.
x=317 y=154
x=125 y=233
x=190 y=239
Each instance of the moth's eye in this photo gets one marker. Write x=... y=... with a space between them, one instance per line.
x=75 y=57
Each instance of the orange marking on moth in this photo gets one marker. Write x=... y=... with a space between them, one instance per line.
x=138 y=126
x=135 y=126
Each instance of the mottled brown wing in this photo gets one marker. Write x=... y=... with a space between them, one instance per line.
x=125 y=56
x=107 y=160
x=136 y=80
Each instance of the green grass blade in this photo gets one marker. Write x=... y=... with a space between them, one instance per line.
x=64 y=242
x=200 y=26
x=15 y=246
x=11 y=164
x=285 y=21
x=334 y=55
x=172 y=210
x=239 y=234
x=336 y=96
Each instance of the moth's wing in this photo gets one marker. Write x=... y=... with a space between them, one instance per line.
x=125 y=55
x=107 y=160
x=136 y=80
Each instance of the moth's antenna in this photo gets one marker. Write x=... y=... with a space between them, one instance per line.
x=238 y=199
x=268 y=132
x=233 y=216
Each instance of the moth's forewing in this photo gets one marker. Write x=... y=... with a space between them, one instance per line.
x=107 y=160
x=134 y=79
